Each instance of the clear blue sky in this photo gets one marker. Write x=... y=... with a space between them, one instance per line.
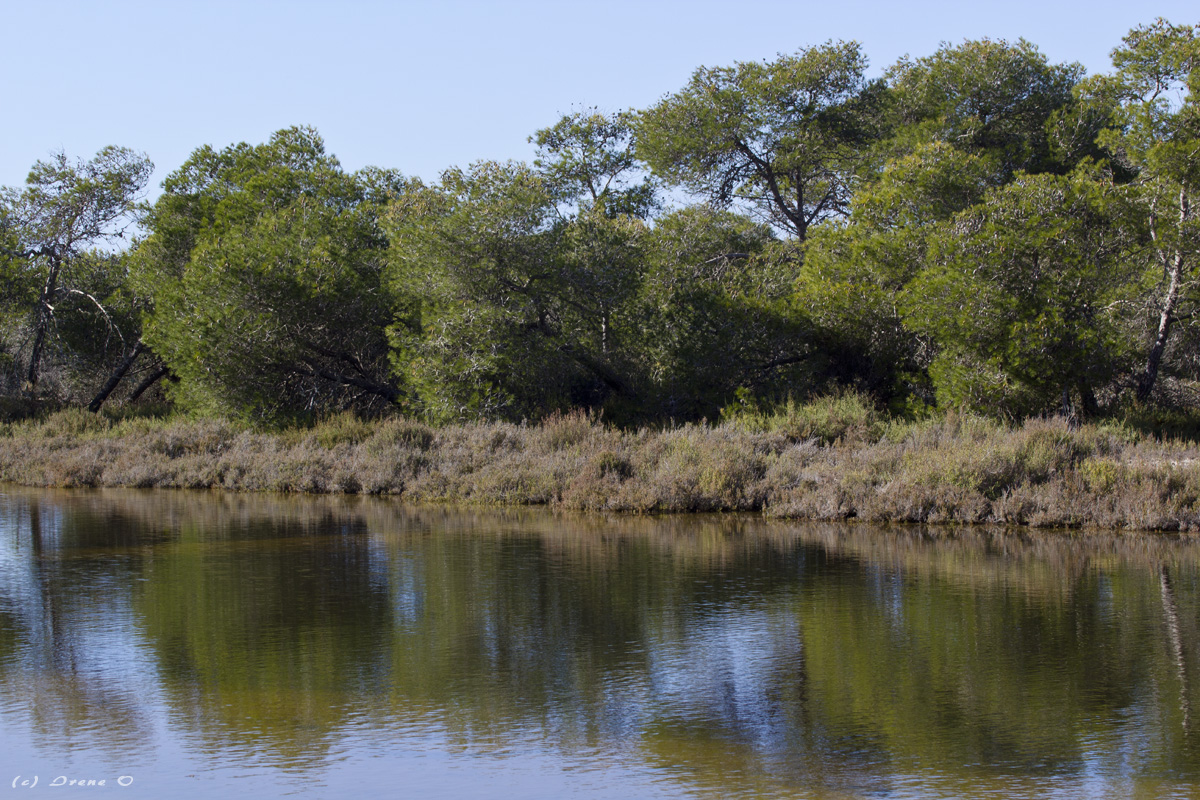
x=422 y=86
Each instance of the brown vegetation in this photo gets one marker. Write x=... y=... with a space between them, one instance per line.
x=832 y=459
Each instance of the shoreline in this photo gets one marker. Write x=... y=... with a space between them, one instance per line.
x=1042 y=473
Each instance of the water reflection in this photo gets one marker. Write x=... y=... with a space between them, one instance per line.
x=292 y=645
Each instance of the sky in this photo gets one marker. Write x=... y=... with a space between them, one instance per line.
x=423 y=86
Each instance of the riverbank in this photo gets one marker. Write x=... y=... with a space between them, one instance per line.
x=833 y=459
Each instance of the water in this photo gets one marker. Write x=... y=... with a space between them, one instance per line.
x=185 y=645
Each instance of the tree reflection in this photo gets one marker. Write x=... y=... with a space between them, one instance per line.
x=730 y=652
x=1175 y=634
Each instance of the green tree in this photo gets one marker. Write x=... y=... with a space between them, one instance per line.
x=854 y=275
x=1018 y=297
x=990 y=98
x=517 y=307
x=18 y=294
x=1156 y=135
x=784 y=138
x=715 y=323
x=265 y=266
x=56 y=230
x=961 y=121
x=588 y=158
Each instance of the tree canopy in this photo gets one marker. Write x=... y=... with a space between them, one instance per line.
x=266 y=267
x=783 y=138
x=987 y=97
x=58 y=231
x=980 y=228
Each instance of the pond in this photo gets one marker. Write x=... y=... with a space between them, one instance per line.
x=176 y=644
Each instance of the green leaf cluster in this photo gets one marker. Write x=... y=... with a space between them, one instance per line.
x=266 y=267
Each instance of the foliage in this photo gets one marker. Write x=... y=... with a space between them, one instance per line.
x=60 y=273
x=265 y=264
x=782 y=137
x=714 y=317
x=990 y=98
x=853 y=275
x=1017 y=296
x=982 y=229
x=517 y=308
x=588 y=158
x=1156 y=136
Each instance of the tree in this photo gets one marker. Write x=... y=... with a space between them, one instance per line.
x=713 y=317
x=18 y=294
x=54 y=227
x=588 y=158
x=1156 y=136
x=855 y=274
x=783 y=137
x=265 y=267
x=517 y=308
x=988 y=98
x=1018 y=297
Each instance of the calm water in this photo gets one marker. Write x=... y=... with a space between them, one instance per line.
x=193 y=645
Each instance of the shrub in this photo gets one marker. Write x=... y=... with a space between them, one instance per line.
x=400 y=432
x=560 y=431
x=844 y=417
x=344 y=428
x=73 y=422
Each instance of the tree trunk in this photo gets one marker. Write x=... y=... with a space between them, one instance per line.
x=607 y=375
x=1145 y=382
x=149 y=381
x=1087 y=401
x=45 y=315
x=115 y=378
x=1175 y=266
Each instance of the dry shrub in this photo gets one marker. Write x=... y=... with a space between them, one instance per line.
x=843 y=418
x=820 y=501
x=606 y=463
x=72 y=422
x=954 y=469
x=990 y=461
x=144 y=470
x=609 y=480
x=400 y=434
x=343 y=428
x=1101 y=475
x=707 y=469
x=202 y=437
x=524 y=483
x=562 y=431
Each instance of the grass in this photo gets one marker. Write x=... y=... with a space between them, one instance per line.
x=835 y=458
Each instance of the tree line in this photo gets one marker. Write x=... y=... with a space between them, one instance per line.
x=979 y=228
